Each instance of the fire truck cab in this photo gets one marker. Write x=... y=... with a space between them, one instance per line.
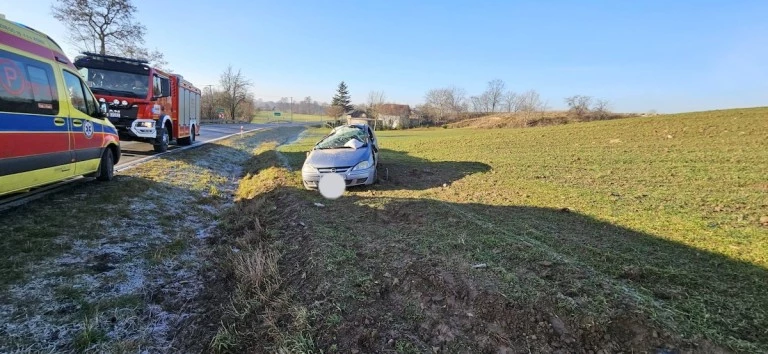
x=145 y=103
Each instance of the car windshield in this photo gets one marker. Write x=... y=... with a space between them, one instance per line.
x=116 y=83
x=341 y=136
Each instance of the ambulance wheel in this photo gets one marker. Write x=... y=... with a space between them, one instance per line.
x=107 y=166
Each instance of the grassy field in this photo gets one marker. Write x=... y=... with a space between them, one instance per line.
x=267 y=116
x=537 y=119
x=626 y=235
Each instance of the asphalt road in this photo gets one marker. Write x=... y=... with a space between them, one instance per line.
x=133 y=150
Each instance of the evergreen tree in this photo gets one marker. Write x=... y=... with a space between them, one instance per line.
x=342 y=99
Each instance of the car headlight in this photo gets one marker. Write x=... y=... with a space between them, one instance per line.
x=146 y=124
x=364 y=164
x=308 y=168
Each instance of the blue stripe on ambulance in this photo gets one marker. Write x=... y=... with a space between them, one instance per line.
x=15 y=122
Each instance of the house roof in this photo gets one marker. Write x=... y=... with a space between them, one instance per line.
x=393 y=109
x=356 y=113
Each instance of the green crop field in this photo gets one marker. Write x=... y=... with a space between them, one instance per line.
x=656 y=227
x=267 y=116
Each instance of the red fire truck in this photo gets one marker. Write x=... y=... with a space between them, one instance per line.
x=145 y=103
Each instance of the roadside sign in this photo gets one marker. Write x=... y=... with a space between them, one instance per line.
x=220 y=110
x=277 y=114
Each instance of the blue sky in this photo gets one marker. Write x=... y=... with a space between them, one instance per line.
x=670 y=56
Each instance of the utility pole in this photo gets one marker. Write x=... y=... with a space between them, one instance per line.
x=291 y=109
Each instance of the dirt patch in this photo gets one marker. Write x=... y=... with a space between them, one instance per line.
x=440 y=311
x=418 y=304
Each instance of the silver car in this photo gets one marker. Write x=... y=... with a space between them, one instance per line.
x=350 y=150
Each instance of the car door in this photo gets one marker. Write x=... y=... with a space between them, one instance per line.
x=375 y=144
x=34 y=136
x=86 y=129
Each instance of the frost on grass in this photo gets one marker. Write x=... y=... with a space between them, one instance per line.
x=126 y=280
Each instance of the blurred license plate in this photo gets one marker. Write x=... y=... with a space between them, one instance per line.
x=113 y=114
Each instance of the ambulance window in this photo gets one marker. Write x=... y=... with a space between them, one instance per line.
x=40 y=83
x=75 y=92
x=90 y=101
x=27 y=85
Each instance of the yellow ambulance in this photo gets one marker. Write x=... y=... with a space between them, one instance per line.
x=52 y=127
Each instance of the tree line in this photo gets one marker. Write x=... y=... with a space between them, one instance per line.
x=234 y=99
x=453 y=103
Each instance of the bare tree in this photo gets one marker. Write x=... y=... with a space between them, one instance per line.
x=334 y=111
x=479 y=103
x=456 y=100
x=601 y=109
x=208 y=101
x=510 y=100
x=579 y=105
x=494 y=94
x=529 y=103
x=247 y=108
x=106 y=27
x=375 y=100
x=236 y=90
x=98 y=24
x=436 y=103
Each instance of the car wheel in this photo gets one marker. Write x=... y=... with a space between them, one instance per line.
x=107 y=166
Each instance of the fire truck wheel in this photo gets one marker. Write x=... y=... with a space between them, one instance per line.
x=185 y=141
x=107 y=166
x=163 y=146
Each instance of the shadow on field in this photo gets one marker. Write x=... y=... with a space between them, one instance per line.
x=398 y=170
x=583 y=268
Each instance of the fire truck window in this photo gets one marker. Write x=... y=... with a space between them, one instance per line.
x=165 y=87
x=27 y=85
x=75 y=92
x=156 y=87
x=109 y=82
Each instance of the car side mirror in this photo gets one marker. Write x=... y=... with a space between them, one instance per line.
x=102 y=112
